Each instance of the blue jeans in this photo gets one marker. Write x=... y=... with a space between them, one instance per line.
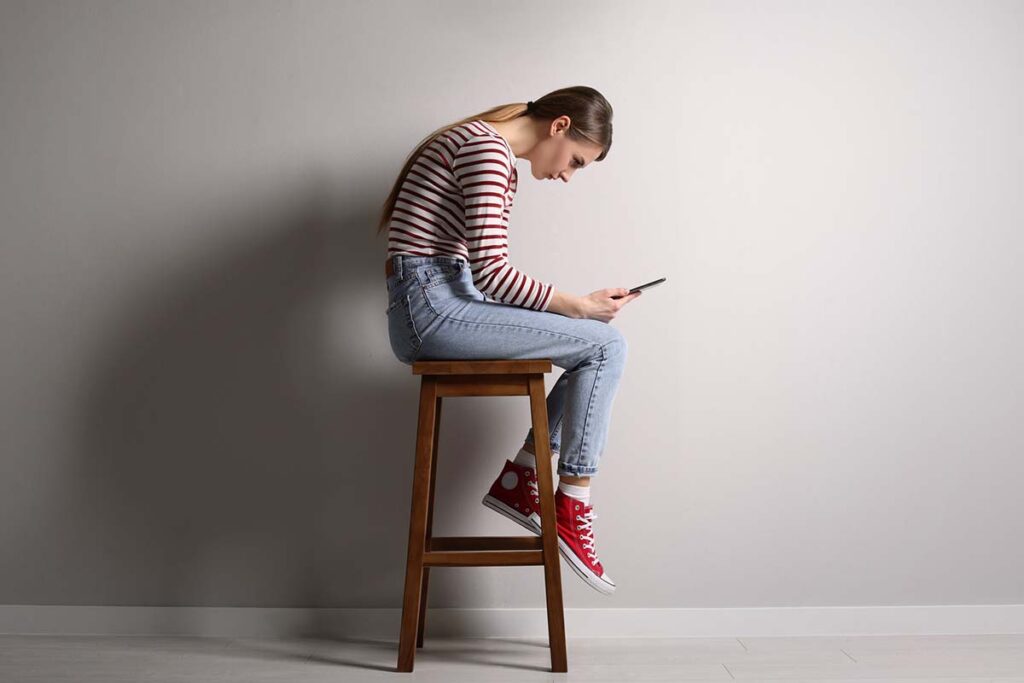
x=435 y=313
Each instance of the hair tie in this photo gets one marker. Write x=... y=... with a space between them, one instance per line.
x=529 y=106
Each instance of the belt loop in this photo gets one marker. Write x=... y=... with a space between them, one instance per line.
x=397 y=260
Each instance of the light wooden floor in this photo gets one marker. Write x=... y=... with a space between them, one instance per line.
x=123 y=659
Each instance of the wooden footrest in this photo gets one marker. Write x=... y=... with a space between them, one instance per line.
x=485 y=543
x=483 y=551
x=483 y=558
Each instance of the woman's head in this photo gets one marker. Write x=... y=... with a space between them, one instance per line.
x=557 y=154
x=575 y=129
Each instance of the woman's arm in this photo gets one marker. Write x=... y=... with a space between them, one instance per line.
x=565 y=304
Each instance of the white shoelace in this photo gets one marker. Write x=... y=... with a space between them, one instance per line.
x=586 y=532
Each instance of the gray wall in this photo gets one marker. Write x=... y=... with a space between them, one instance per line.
x=822 y=406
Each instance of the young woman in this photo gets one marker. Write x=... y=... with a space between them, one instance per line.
x=452 y=292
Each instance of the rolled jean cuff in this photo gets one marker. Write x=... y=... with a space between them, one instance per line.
x=572 y=470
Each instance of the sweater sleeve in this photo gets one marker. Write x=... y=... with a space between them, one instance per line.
x=483 y=168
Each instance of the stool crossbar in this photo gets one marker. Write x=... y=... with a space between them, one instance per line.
x=440 y=378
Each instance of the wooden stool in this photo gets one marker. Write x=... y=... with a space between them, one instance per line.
x=478 y=378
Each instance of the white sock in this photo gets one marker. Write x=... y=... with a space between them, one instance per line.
x=526 y=459
x=578 y=492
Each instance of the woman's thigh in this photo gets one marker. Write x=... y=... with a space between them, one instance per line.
x=453 y=320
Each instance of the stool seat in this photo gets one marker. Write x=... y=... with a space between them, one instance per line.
x=480 y=367
x=488 y=377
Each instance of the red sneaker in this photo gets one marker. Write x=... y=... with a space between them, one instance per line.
x=576 y=541
x=514 y=494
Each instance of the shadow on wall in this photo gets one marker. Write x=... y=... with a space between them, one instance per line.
x=236 y=452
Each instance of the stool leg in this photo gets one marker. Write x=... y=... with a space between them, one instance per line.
x=549 y=534
x=430 y=520
x=425 y=436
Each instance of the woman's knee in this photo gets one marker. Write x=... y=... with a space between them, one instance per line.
x=609 y=344
x=615 y=347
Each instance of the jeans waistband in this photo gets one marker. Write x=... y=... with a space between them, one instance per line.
x=397 y=264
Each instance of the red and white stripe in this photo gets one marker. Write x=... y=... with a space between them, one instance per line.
x=455 y=201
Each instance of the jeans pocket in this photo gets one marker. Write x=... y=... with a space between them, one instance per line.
x=405 y=339
x=445 y=296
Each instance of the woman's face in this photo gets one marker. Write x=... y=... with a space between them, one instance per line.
x=557 y=157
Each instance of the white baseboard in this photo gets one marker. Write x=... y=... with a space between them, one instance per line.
x=273 y=622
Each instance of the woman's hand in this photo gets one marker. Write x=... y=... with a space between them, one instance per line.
x=600 y=305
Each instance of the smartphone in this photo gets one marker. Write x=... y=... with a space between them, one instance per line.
x=644 y=286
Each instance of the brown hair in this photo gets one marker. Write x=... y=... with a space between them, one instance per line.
x=589 y=112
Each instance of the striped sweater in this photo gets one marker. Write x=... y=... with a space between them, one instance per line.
x=455 y=201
